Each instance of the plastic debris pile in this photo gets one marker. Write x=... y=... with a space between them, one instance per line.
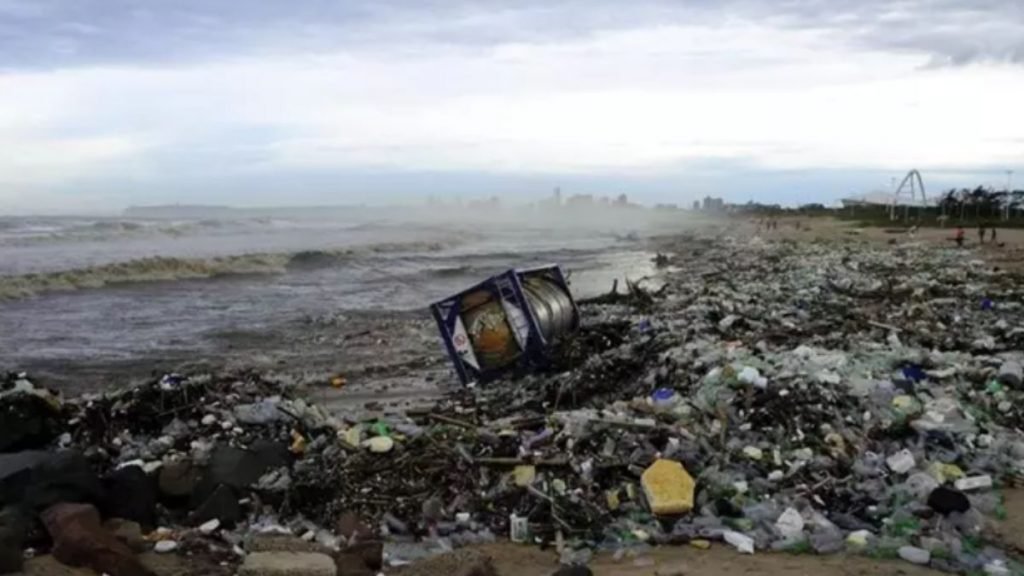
x=801 y=397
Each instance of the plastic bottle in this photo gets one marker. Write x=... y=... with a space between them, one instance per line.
x=664 y=399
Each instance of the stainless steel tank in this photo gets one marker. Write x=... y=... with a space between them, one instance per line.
x=491 y=331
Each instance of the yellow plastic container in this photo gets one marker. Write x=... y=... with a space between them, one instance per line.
x=668 y=487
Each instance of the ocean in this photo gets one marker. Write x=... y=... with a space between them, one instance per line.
x=83 y=298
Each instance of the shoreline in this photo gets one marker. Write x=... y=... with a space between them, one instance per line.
x=714 y=314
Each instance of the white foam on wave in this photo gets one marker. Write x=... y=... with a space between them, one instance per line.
x=169 y=269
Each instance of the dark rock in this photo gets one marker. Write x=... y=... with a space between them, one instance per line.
x=130 y=494
x=15 y=462
x=178 y=479
x=13 y=526
x=945 y=500
x=271 y=454
x=40 y=482
x=222 y=504
x=27 y=422
x=573 y=570
x=350 y=525
x=15 y=472
x=129 y=532
x=370 y=551
x=351 y=564
x=80 y=540
x=240 y=468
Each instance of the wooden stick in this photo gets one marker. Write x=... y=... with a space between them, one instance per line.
x=452 y=421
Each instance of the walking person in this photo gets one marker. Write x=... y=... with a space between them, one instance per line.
x=981 y=232
x=959 y=236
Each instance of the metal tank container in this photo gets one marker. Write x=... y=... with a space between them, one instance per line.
x=507 y=320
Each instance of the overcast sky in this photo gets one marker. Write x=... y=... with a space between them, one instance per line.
x=105 y=103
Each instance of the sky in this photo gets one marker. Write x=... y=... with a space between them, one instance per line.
x=108 y=103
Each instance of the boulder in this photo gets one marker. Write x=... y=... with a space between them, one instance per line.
x=129 y=532
x=36 y=482
x=13 y=526
x=240 y=468
x=221 y=505
x=351 y=564
x=349 y=525
x=80 y=540
x=130 y=493
x=370 y=552
x=178 y=479
x=27 y=422
x=12 y=464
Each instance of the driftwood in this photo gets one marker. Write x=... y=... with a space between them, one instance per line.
x=635 y=295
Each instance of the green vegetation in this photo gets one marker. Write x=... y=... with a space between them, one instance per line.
x=962 y=207
x=801 y=547
x=955 y=207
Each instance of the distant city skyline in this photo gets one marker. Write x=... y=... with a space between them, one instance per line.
x=109 y=103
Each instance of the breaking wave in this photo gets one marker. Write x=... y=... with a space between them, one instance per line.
x=169 y=269
x=32 y=232
x=451 y=271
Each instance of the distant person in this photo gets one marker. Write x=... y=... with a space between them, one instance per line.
x=992 y=235
x=981 y=233
x=959 y=236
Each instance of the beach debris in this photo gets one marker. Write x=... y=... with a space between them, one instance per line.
x=790 y=524
x=1011 y=373
x=740 y=541
x=380 y=444
x=901 y=462
x=209 y=527
x=30 y=417
x=508 y=319
x=945 y=501
x=80 y=540
x=165 y=546
x=973 y=483
x=914 y=555
x=668 y=487
x=798 y=424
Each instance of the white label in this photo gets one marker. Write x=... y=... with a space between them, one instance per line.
x=517 y=320
x=462 y=345
x=519 y=529
x=973 y=483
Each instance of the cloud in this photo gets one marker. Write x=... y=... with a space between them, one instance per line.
x=50 y=33
x=950 y=31
x=133 y=99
